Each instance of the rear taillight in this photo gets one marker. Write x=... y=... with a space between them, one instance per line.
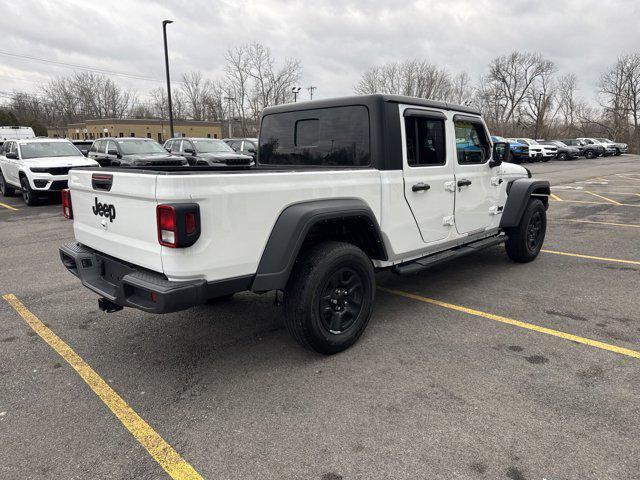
x=178 y=224
x=67 y=210
x=167 y=226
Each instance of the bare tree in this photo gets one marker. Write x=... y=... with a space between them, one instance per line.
x=254 y=81
x=416 y=78
x=538 y=111
x=613 y=98
x=462 y=91
x=510 y=80
x=197 y=92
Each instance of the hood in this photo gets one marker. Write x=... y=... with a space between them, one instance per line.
x=51 y=162
x=513 y=170
x=145 y=158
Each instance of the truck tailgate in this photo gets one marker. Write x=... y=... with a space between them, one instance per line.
x=117 y=219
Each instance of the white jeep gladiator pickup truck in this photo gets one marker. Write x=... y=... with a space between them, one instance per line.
x=341 y=188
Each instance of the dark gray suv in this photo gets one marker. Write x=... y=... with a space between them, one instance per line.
x=206 y=151
x=132 y=152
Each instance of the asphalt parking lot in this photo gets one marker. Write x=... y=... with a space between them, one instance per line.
x=480 y=368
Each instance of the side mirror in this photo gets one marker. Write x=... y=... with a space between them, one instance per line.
x=251 y=150
x=112 y=152
x=501 y=153
x=85 y=152
x=189 y=151
x=168 y=150
x=12 y=155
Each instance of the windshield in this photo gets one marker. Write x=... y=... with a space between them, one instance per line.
x=496 y=138
x=212 y=146
x=133 y=147
x=48 y=149
x=532 y=142
x=605 y=140
x=560 y=144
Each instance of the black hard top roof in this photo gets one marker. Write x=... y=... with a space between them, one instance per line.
x=368 y=100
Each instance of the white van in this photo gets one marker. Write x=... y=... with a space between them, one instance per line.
x=16 y=133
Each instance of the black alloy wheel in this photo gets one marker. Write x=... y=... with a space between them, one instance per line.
x=341 y=300
x=535 y=231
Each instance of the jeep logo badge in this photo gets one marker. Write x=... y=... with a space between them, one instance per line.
x=104 y=210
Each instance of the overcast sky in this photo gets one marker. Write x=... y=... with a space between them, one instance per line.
x=335 y=40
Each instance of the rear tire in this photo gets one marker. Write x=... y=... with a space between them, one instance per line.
x=28 y=195
x=329 y=297
x=525 y=240
x=6 y=189
x=590 y=154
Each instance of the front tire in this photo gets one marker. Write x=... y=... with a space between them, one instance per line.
x=525 y=240
x=562 y=157
x=590 y=154
x=6 y=189
x=329 y=297
x=618 y=152
x=28 y=195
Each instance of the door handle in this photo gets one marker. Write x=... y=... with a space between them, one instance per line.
x=419 y=187
x=465 y=182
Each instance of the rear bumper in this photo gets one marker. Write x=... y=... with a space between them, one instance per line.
x=130 y=286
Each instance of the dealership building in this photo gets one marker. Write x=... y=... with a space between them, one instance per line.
x=143 y=128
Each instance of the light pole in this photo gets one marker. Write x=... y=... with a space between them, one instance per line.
x=296 y=91
x=229 y=99
x=311 y=89
x=166 y=63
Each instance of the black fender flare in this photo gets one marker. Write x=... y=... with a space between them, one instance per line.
x=290 y=231
x=519 y=192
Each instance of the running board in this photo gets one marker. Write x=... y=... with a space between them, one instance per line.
x=431 y=260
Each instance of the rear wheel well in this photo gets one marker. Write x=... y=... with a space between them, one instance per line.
x=357 y=230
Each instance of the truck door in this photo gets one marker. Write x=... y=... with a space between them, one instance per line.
x=428 y=172
x=477 y=184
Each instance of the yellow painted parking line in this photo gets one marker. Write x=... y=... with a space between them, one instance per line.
x=158 y=448
x=591 y=257
x=603 y=198
x=599 y=223
x=517 y=323
x=555 y=197
x=9 y=207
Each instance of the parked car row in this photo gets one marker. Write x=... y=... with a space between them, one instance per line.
x=39 y=167
x=529 y=150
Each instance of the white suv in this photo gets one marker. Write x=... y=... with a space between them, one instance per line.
x=538 y=151
x=38 y=167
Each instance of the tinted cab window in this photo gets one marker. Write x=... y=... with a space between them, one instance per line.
x=337 y=136
x=424 y=141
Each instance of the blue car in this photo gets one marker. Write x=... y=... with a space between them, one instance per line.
x=519 y=151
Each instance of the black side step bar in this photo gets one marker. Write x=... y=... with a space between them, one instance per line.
x=436 y=258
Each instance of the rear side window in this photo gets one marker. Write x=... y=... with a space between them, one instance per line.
x=425 y=141
x=472 y=145
x=333 y=137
